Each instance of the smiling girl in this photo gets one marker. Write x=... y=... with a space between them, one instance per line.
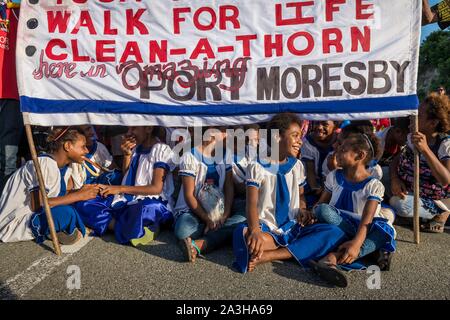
x=22 y=216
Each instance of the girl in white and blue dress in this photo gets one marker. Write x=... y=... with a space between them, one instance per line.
x=351 y=201
x=136 y=209
x=21 y=214
x=195 y=227
x=275 y=201
x=95 y=168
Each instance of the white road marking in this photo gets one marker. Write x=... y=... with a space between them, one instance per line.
x=22 y=283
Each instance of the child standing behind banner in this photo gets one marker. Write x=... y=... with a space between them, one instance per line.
x=274 y=201
x=143 y=202
x=22 y=216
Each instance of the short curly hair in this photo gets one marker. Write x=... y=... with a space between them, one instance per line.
x=438 y=108
x=283 y=121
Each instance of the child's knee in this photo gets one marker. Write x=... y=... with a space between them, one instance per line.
x=324 y=213
x=402 y=206
x=185 y=226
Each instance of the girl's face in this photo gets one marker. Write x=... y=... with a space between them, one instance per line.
x=140 y=134
x=89 y=133
x=323 y=130
x=291 y=141
x=426 y=125
x=76 y=150
x=253 y=138
x=218 y=134
x=346 y=156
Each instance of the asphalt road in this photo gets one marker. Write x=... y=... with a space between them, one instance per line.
x=111 y=271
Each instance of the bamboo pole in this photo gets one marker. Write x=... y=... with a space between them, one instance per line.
x=416 y=186
x=37 y=167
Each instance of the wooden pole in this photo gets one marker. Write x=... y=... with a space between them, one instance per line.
x=416 y=186
x=37 y=167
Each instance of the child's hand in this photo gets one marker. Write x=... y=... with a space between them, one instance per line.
x=398 y=188
x=88 y=192
x=255 y=241
x=128 y=143
x=349 y=252
x=106 y=190
x=420 y=141
x=210 y=226
x=305 y=217
x=332 y=162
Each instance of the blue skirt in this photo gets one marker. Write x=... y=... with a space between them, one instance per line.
x=131 y=219
x=65 y=218
x=304 y=243
x=379 y=223
x=96 y=213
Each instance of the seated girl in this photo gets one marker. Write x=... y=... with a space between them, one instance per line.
x=351 y=201
x=98 y=166
x=198 y=229
x=433 y=143
x=22 y=216
x=143 y=202
x=275 y=200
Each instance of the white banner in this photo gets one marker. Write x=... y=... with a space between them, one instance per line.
x=175 y=63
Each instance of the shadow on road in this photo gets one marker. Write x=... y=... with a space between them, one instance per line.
x=292 y=270
x=6 y=293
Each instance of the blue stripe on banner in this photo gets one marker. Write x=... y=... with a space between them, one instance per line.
x=37 y=105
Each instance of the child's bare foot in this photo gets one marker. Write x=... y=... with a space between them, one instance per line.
x=252 y=263
x=255 y=261
x=330 y=259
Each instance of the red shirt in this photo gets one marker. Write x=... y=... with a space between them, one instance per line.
x=8 y=79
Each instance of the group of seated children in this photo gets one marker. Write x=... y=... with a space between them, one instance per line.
x=326 y=195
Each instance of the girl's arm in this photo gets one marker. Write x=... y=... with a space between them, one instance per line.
x=325 y=197
x=305 y=217
x=86 y=193
x=229 y=194
x=350 y=249
x=126 y=163
x=428 y=16
x=311 y=175
x=440 y=171
x=398 y=187
x=155 y=188
x=255 y=236
x=188 y=184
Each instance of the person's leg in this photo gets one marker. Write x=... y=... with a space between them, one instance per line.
x=67 y=222
x=270 y=248
x=224 y=235
x=404 y=207
x=268 y=256
x=11 y=128
x=187 y=229
x=375 y=240
x=188 y=225
x=328 y=214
